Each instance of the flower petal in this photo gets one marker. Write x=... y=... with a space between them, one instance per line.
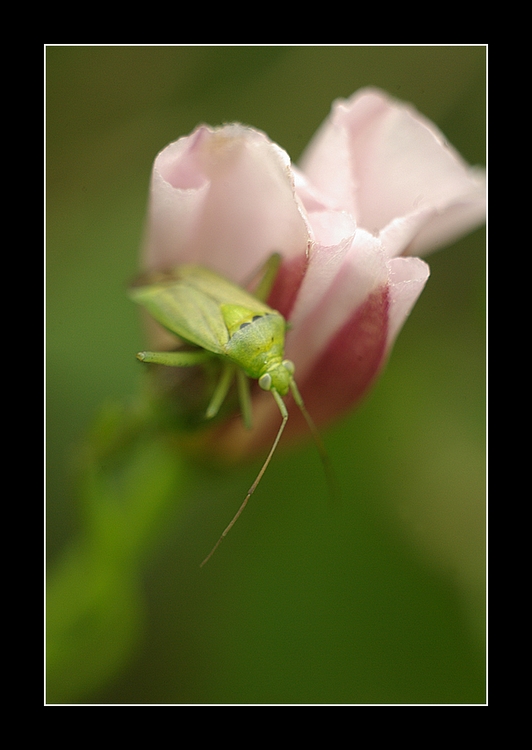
x=339 y=279
x=349 y=323
x=223 y=198
x=381 y=160
x=407 y=278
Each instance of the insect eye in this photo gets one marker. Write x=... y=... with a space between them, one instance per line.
x=265 y=381
x=289 y=366
x=249 y=322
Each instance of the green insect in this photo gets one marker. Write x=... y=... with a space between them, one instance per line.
x=224 y=321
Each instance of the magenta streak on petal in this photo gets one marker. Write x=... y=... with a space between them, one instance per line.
x=344 y=371
x=287 y=283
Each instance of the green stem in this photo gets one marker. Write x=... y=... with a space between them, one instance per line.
x=130 y=479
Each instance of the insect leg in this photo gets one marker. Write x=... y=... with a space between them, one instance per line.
x=175 y=359
x=269 y=272
x=244 y=397
x=220 y=392
x=284 y=414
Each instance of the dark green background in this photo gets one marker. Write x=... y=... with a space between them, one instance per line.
x=378 y=601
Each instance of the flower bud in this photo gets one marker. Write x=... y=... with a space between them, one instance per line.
x=377 y=186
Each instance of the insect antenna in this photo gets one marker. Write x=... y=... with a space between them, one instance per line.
x=253 y=487
x=330 y=476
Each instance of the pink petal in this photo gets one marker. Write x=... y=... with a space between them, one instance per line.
x=338 y=281
x=383 y=161
x=348 y=365
x=223 y=198
x=407 y=278
x=352 y=308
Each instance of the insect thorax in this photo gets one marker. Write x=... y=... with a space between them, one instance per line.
x=256 y=342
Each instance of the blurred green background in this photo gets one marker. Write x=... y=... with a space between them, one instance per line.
x=378 y=601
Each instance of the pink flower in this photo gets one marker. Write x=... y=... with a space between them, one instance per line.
x=377 y=185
